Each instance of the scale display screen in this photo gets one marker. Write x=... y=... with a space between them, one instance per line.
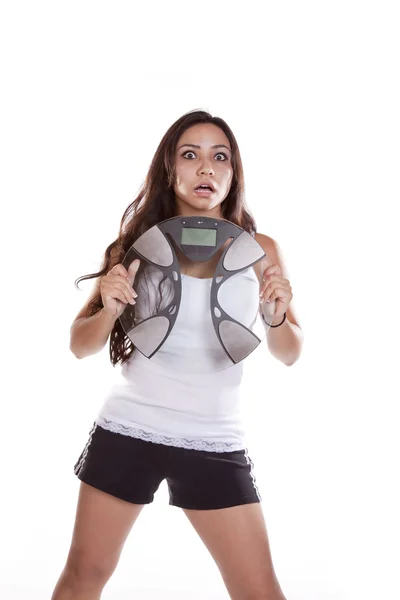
x=199 y=237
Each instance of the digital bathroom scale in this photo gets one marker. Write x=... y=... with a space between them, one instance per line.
x=199 y=239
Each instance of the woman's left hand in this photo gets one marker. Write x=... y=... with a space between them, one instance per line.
x=276 y=287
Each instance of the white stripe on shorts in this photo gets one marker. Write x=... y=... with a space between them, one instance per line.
x=250 y=462
x=79 y=464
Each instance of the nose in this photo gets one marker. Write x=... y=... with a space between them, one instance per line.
x=205 y=166
x=206 y=170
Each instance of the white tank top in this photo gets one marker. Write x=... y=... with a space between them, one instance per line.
x=157 y=399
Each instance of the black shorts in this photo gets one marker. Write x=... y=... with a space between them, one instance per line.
x=132 y=469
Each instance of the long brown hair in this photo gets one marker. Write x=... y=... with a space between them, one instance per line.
x=155 y=203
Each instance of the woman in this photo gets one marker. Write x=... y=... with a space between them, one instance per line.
x=154 y=426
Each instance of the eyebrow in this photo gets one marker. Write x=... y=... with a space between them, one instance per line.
x=196 y=146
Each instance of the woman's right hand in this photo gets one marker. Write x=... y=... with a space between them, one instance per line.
x=116 y=288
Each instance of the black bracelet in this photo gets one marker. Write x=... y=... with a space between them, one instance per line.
x=284 y=317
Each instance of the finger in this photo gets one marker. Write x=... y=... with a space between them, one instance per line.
x=271 y=288
x=271 y=270
x=123 y=291
x=124 y=281
x=273 y=278
x=118 y=269
x=277 y=293
x=133 y=269
x=117 y=295
x=270 y=278
x=129 y=292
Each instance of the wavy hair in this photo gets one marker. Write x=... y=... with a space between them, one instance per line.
x=155 y=203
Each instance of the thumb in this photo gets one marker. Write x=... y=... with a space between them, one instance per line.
x=133 y=268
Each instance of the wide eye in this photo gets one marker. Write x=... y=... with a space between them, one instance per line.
x=187 y=152
x=218 y=154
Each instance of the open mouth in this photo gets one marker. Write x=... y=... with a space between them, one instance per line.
x=203 y=192
x=204 y=189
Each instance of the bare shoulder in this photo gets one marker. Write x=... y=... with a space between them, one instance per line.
x=275 y=254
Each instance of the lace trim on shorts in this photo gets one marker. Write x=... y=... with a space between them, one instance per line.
x=189 y=444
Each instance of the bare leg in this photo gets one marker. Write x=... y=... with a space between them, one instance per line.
x=237 y=539
x=102 y=525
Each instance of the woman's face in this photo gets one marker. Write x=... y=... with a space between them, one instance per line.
x=203 y=154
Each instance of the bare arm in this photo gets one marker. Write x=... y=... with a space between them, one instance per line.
x=90 y=334
x=285 y=342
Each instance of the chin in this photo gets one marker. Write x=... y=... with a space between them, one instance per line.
x=198 y=204
x=205 y=207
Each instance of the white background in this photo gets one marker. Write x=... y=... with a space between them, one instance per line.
x=311 y=91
